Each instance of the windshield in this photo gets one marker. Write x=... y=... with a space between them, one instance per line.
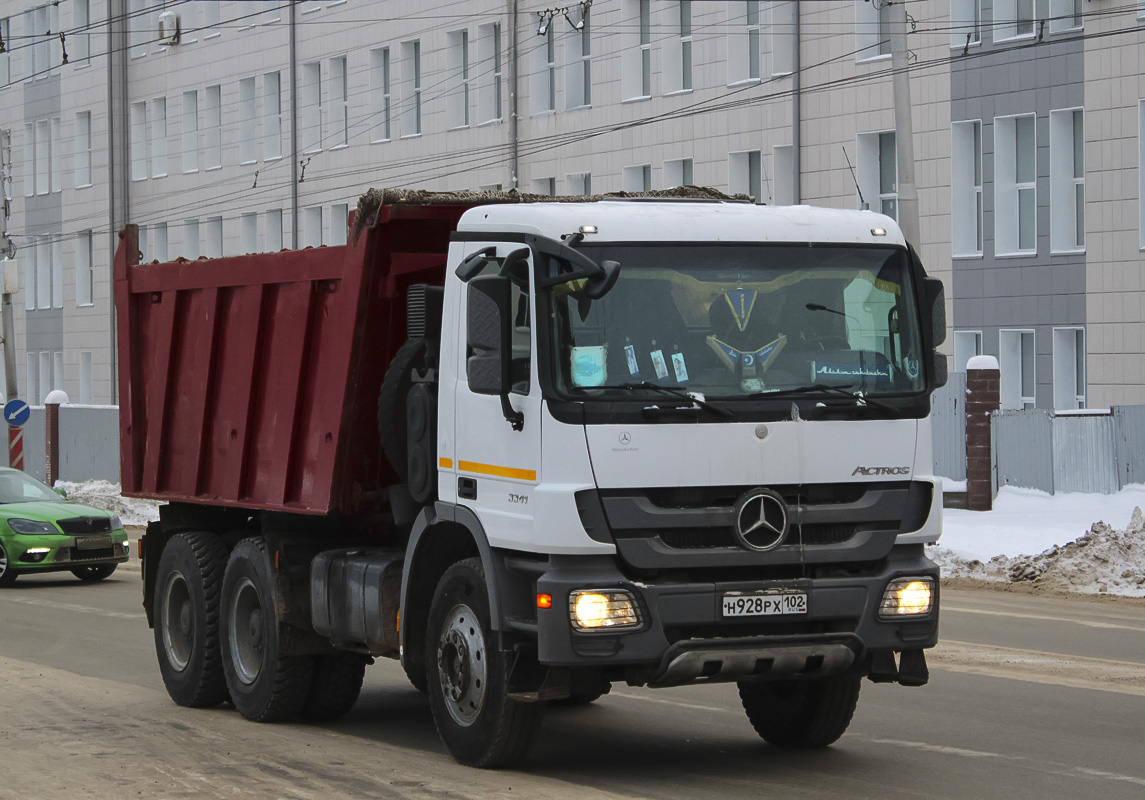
x=16 y=487
x=734 y=321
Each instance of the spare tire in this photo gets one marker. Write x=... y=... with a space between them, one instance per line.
x=392 y=402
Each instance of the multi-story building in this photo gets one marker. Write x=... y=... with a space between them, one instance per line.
x=231 y=127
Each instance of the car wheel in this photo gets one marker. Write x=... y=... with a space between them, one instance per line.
x=468 y=676
x=7 y=572
x=94 y=573
x=265 y=685
x=188 y=581
x=801 y=714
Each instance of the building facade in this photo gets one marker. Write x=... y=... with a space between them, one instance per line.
x=231 y=127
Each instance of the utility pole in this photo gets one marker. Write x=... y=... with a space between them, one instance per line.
x=904 y=128
x=7 y=258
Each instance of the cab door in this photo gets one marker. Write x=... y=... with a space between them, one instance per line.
x=497 y=468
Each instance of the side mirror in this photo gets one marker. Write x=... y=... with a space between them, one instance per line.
x=940 y=371
x=474 y=263
x=488 y=303
x=598 y=286
x=62 y=492
x=936 y=303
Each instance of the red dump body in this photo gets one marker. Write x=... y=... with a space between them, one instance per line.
x=253 y=381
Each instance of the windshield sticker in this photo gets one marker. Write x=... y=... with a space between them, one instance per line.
x=741 y=301
x=753 y=360
x=588 y=365
x=679 y=367
x=874 y=371
x=659 y=363
x=630 y=354
x=912 y=368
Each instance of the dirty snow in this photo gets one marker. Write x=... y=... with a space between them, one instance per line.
x=1087 y=543
x=105 y=496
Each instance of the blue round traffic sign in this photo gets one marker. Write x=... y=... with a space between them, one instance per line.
x=16 y=413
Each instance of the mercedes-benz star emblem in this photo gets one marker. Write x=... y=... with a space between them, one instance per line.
x=761 y=520
x=625 y=437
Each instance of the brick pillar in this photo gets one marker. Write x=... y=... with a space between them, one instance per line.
x=981 y=401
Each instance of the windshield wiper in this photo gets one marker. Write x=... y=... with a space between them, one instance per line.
x=674 y=391
x=842 y=389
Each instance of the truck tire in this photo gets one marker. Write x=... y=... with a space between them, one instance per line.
x=392 y=403
x=336 y=685
x=188 y=582
x=416 y=674
x=801 y=714
x=265 y=685
x=94 y=573
x=7 y=573
x=468 y=676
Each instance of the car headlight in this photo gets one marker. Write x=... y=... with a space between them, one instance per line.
x=594 y=610
x=32 y=527
x=906 y=597
x=116 y=523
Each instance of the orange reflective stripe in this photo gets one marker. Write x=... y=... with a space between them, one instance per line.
x=499 y=472
x=445 y=463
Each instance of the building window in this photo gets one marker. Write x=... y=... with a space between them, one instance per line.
x=312 y=226
x=744 y=41
x=213 y=134
x=85 y=269
x=138 y=141
x=579 y=184
x=56 y=253
x=85 y=377
x=1013 y=18
x=1015 y=185
x=544 y=83
x=1016 y=354
x=1069 y=368
x=678 y=173
x=966 y=188
x=638 y=178
x=783 y=17
x=189 y=136
x=339 y=223
x=139 y=22
x=274 y=230
x=81 y=163
x=191 y=241
x=248 y=232
x=55 y=155
x=745 y=174
x=458 y=97
x=380 y=98
x=271 y=115
x=310 y=126
x=545 y=186
x=339 y=103
x=578 y=47
x=79 y=40
x=159 y=242
x=247 y=114
x=965 y=22
x=6 y=56
x=159 y=137
x=44 y=157
x=872 y=29
x=878 y=172
x=211 y=19
x=213 y=247
x=967 y=344
x=411 y=88
x=1066 y=15
x=1067 y=180
x=784 y=175
x=678 y=50
x=490 y=75
x=636 y=77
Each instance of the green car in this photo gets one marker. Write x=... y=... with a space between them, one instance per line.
x=40 y=531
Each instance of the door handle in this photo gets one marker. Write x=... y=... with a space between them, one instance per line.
x=467 y=488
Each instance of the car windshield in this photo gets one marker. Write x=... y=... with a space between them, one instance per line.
x=17 y=487
x=740 y=320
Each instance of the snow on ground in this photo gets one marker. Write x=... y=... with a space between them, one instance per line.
x=1088 y=543
x=105 y=496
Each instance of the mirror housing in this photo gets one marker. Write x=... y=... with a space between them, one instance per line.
x=936 y=304
x=940 y=370
x=488 y=368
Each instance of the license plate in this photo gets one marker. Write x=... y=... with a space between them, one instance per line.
x=93 y=542
x=763 y=604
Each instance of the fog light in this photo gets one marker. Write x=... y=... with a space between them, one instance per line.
x=908 y=597
x=34 y=555
x=594 y=610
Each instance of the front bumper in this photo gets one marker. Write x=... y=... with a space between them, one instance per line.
x=27 y=553
x=684 y=637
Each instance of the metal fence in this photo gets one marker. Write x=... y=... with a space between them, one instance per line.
x=1098 y=453
x=948 y=428
x=89 y=443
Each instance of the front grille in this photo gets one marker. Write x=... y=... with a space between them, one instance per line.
x=703 y=538
x=81 y=525
x=91 y=555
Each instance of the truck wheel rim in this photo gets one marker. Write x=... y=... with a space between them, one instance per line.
x=461 y=661
x=178 y=621
x=247 y=631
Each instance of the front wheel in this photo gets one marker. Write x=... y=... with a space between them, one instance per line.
x=7 y=573
x=94 y=573
x=264 y=684
x=801 y=714
x=468 y=676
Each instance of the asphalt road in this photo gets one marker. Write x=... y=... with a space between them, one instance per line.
x=1029 y=697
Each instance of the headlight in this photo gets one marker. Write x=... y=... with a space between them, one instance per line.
x=906 y=597
x=594 y=610
x=116 y=524
x=31 y=527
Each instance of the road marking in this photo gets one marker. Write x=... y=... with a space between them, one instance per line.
x=102 y=612
x=645 y=699
x=1014 y=615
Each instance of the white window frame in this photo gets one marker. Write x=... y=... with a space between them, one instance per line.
x=545 y=186
x=966 y=181
x=578 y=60
x=679 y=172
x=272 y=116
x=1069 y=363
x=1008 y=190
x=457 y=96
x=138 y=142
x=1067 y=181
x=248 y=116
x=636 y=53
x=1066 y=16
x=157 y=126
x=81 y=150
x=745 y=173
x=55 y=155
x=339 y=105
x=783 y=175
x=79 y=39
x=85 y=268
x=310 y=105
x=578 y=184
x=56 y=249
x=189 y=135
x=965 y=20
x=213 y=247
x=339 y=223
x=638 y=178
x=1014 y=19
x=381 y=98
x=678 y=48
x=967 y=344
x=544 y=79
x=159 y=242
x=1011 y=357
x=312 y=234
x=85 y=378
x=745 y=37
x=872 y=37
x=782 y=35
x=213 y=128
x=490 y=77
x=248 y=232
x=273 y=230
x=877 y=171
x=6 y=56
x=410 y=119
x=192 y=242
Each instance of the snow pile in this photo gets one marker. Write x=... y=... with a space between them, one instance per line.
x=1104 y=560
x=105 y=496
